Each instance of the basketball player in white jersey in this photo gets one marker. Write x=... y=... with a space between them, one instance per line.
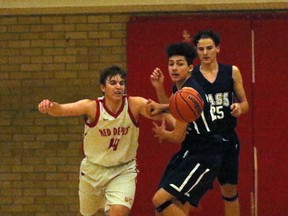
x=108 y=171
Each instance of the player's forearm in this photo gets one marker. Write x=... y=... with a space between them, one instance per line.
x=170 y=121
x=244 y=105
x=49 y=107
x=163 y=108
x=161 y=95
x=173 y=137
x=56 y=109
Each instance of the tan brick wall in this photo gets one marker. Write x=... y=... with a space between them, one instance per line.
x=56 y=57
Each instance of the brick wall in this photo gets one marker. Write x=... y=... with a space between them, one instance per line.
x=56 y=57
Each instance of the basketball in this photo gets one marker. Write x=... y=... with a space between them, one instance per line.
x=186 y=105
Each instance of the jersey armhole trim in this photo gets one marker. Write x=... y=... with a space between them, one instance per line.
x=97 y=114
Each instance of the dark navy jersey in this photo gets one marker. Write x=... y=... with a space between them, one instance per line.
x=220 y=94
x=204 y=125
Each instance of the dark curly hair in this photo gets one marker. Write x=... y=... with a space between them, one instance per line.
x=182 y=49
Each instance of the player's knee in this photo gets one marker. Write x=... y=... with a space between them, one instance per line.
x=230 y=198
x=229 y=191
x=161 y=207
x=155 y=199
x=162 y=199
x=159 y=198
x=160 y=202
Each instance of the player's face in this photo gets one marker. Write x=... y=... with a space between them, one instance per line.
x=179 y=70
x=114 y=88
x=207 y=51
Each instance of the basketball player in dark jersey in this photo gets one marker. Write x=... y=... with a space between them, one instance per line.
x=224 y=89
x=192 y=170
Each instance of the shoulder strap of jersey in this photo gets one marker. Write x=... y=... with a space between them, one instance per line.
x=97 y=113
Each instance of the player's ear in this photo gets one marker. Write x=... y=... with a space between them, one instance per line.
x=102 y=87
x=191 y=67
x=218 y=48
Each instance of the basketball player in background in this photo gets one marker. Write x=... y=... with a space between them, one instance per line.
x=192 y=170
x=108 y=171
x=223 y=86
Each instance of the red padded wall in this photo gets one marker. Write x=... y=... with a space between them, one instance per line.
x=147 y=39
x=271 y=113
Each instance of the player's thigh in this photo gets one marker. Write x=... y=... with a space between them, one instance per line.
x=121 y=189
x=91 y=200
x=229 y=171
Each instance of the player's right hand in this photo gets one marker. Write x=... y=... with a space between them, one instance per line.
x=153 y=108
x=157 y=78
x=45 y=105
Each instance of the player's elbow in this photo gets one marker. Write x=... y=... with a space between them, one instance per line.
x=179 y=138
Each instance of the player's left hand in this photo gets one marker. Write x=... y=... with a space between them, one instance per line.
x=235 y=109
x=159 y=130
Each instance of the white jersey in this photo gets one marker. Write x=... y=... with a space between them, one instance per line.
x=112 y=139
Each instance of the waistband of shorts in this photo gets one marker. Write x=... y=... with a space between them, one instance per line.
x=114 y=166
x=211 y=143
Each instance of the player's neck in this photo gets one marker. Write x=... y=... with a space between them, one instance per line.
x=180 y=84
x=209 y=68
x=113 y=106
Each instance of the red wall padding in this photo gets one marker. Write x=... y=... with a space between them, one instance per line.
x=271 y=113
x=147 y=39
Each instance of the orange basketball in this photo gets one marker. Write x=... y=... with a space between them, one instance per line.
x=186 y=105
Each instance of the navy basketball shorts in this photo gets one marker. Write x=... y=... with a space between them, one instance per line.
x=228 y=173
x=188 y=177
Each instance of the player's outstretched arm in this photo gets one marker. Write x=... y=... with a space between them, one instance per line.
x=138 y=106
x=170 y=129
x=153 y=108
x=82 y=107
